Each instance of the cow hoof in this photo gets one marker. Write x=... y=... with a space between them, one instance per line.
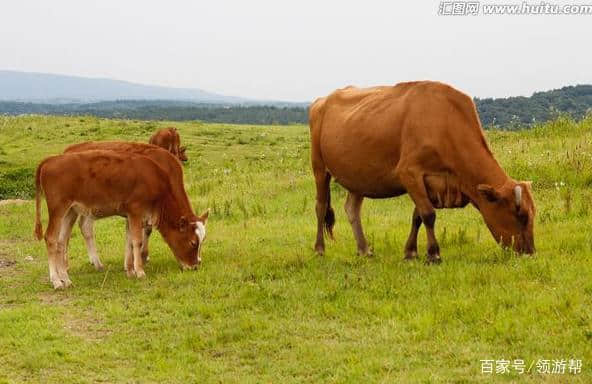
x=58 y=284
x=320 y=250
x=130 y=273
x=100 y=267
x=433 y=259
x=140 y=274
x=367 y=252
x=410 y=255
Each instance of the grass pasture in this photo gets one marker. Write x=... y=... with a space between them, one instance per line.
x=263 y=307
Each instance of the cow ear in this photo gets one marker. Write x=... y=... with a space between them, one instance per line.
x=183 y=223
x=204 y=216
x=489 y=192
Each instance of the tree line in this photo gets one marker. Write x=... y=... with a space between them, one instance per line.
x=501 y=113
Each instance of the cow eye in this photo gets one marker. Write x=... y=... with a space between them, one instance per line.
x=194 y=243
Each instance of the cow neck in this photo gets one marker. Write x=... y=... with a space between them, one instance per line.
x=484 y=171
x=183 y=200
x=171 y=212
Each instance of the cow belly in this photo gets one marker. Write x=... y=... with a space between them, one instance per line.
x=99 y=211
x=361 y=158
x=365 y=180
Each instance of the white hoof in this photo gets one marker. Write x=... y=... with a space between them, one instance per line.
x=58 y=284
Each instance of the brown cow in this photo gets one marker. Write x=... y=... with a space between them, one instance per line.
x=107 y=183
x=422 y=138
x=168 y=138
x=169 y=163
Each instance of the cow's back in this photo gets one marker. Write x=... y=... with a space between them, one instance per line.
x=106 y=180
x=164 y=158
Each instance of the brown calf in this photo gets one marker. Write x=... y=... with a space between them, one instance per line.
x=168 y=138
x=107 y=183
x=169 y=163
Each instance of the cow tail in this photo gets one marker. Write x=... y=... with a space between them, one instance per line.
x=38 y=196
x=329 y=215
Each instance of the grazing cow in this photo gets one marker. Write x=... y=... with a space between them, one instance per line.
x=108 y=183
x=169 y=163
x=422 y=138
x=168 y=138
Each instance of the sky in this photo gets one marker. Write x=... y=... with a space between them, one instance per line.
x=295 y=50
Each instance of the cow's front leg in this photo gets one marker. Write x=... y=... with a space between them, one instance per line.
x=86 y=227
x=413 y=180
x=147 y=232
x=128 y=262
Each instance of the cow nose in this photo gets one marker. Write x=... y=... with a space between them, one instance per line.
x=189 y=267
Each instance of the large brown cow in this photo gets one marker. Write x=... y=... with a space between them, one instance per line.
x=107 y=183
x=169 y=139
x=169 y=163
x=422 y=138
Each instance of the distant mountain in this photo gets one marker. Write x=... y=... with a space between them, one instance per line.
x=49 y=88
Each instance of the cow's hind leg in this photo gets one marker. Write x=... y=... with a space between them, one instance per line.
x=415 y=186
x=52 y=235
x=411 y=245
x=136 y=234
x=353 y=207
x=63 y=240
x=86 y=227
x=324 y=211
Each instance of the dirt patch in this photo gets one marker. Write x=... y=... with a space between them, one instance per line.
x=86 y=326
x=54 y=297
x=13 y=201
x=6 y=263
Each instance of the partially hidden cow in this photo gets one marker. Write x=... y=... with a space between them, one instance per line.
x=422 y=138
x=108 y=183
x=169 y=163
x=169 y=139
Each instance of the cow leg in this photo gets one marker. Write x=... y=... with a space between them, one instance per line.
x=136 y=231
x=63 y=239
x=411 y=245
x=128 y=263
x=86 y=227
x=52 y=243
x=415 y=186
x=147 y=232
x=67 y=252
x=322 y=208
x=353 y=206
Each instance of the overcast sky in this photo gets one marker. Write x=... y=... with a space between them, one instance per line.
x=294 y=50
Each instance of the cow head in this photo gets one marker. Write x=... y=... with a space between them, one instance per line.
x=182 y=156
x=509 y=213
x=187 y=240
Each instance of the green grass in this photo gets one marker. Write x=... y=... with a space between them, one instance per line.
x=264 y=307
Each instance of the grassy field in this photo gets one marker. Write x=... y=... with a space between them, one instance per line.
x=263 y=307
